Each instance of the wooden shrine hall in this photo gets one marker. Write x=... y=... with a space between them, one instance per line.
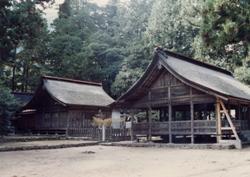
x=185 y=100
x=63 y=105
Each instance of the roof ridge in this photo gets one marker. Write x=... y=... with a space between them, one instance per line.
x=71 y=80
x=191 y=60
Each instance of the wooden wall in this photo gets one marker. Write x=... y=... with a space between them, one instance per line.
x=157 y=94
x=50 y=115
x=67 y=118
x=24 y=122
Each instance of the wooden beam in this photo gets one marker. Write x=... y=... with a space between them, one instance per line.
x=149 y=118
x=67 y=128
x=229 y=120
x=131 y=128
x=169 y=115
x=239 y=112
x=150 y=125
x=192 y=116
x=218 y=120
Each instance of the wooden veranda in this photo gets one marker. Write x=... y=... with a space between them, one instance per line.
x=181 y=97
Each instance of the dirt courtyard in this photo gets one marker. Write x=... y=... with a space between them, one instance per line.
x=103 y=161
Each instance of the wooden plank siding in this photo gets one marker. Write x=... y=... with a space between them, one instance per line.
x=53 y=116
x=65 y=119
x=180 y=93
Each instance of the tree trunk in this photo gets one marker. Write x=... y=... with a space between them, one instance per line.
x=26 y=78
x=13 y=78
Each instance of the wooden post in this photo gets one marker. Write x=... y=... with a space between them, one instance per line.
x=150 y=125
x=229 y=120
x=147 y=115
x=103 y=132
x=131 y=126
x=218 y=120
x=239 y=112
x=149 y=118
x=169 y=115
x=67 y=128
x=192 y=116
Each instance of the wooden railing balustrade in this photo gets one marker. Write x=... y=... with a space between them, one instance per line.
x=204 y=127
x=96 y=133
x=184 y=127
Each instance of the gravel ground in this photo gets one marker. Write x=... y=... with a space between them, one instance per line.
x=106 y=161
x=41 y=143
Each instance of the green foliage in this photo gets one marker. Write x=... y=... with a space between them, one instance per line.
x=169 y=25
x=114 y=44
x=19 y=20
x=243 y=73
x=111 y=44
x=225 y=22
x=225 y=35
x=133 y=66
x=8 y=106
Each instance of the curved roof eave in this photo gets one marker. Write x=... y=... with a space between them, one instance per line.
x=53 y=97
x=39 y=89
x=197 y=62
x=157 y=57
x=72 y=94
x=160 y=56
x=193 y=84
x=200 y=87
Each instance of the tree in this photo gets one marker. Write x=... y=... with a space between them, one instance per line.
x=132 y=67
x=169 y=25
x=84 y=45
x=133 y=19
x=8 y=106
x=224 y=37
x=22 y=26
x=18 y=20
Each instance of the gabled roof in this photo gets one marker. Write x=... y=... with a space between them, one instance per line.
x=205 y=77
x=70 y=92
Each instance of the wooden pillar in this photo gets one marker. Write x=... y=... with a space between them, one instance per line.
x=239 y=112
x=131 y=126
x=147 y=115
x=237 y=116
x=218 y=120
x=149 y=118
x=150 y=126
x=192 y=116
x=248 y=118
x=225 y=111
x=169 y=115
x=67 y=128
